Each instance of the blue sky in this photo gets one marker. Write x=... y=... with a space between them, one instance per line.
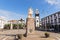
x=16 y=9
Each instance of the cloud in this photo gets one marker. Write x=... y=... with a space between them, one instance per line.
x=10 y=15
x=55 y=3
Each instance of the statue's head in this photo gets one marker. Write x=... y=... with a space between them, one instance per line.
x=30 y=11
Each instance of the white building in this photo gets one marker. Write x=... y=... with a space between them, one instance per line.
x=12 y=21
x=51 y=21
x=2 y=22
x=21 y=21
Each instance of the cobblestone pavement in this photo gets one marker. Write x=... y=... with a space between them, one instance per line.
x=38 y=35
x=10 y=34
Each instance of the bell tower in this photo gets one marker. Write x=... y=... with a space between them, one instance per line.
x=37 y=19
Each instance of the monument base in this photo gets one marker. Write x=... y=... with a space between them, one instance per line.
x=30 y=26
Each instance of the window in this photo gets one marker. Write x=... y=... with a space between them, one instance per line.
x=37 y=20
x=59 y=20
x=51 y=21
x=51 y=16
x=55 y=16
x=58 y=14
x=55 y=21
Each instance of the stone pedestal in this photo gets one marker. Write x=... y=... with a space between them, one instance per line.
x=30 y=25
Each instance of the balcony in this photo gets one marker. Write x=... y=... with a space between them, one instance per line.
x=55 y=17
x=58 y=16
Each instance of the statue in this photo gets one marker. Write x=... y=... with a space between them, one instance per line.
x=30 y=22
x=30 y=12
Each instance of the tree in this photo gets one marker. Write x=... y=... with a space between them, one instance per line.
x=14 y=26
x=7 y=26
x=21 y=26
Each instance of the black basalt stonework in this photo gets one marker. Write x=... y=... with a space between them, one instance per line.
x=36 y=14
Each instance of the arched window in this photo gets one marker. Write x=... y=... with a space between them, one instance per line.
x=37 y=20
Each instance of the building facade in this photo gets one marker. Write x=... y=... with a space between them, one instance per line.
x=2 y=22
x=21 y=21
x=37 y=19
x=16 y=24
x=52 y=21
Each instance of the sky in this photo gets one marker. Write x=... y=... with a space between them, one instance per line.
x=16 y=9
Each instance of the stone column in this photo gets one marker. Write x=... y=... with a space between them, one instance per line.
x=11 y=26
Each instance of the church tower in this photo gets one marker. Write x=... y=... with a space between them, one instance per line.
x=37 y=19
